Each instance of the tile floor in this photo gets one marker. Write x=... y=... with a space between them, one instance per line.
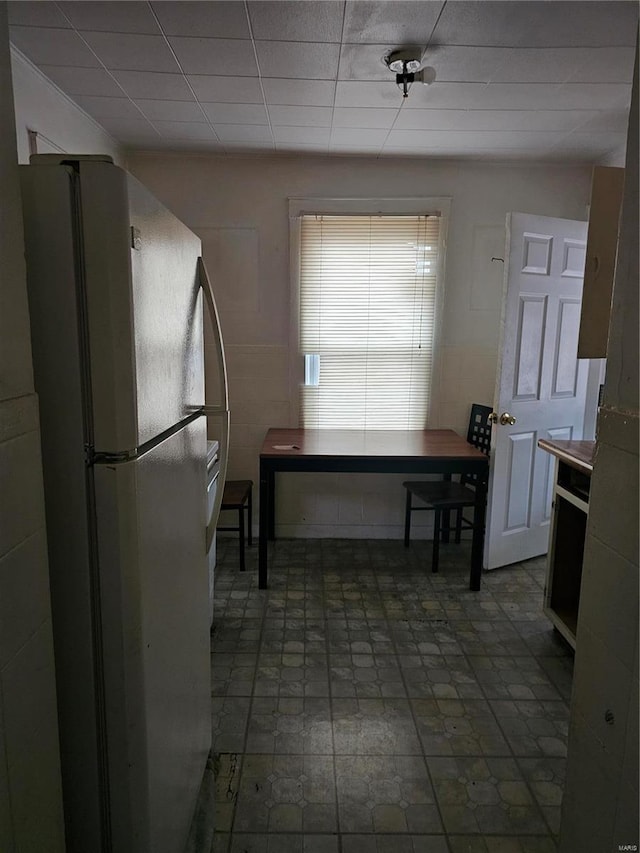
x=364 y=705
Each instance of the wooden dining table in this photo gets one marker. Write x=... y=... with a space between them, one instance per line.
x=428 y=451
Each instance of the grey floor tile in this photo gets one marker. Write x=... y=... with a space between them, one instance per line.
x=384 y=709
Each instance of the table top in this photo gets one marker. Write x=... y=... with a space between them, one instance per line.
x=578 y=454
x=405 y=444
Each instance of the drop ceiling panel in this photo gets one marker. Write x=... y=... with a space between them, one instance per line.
x=133 y=52
x=184 y=130
x=530 y=78
x=294 y=21
x=36 y=14
x=147 y=84
x=101 y=108
x=92 y=81
x=244 y=134
x=466 y=64
x=227 y=57
x=308 y=135
x=170 y=110
x=315 y=93
x=301 y=116
x=364 y=118
x=309 y=60
x=395 y=21
x=48 y=45
x=358 y=136
x=532 y=24
x=129 y=17
x=355 y=94
x=221 y=19
x=236 y=113
x=219 y=89
x=472 y=120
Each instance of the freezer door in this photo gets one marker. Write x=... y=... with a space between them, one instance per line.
x=144 y=310
x=151 y=518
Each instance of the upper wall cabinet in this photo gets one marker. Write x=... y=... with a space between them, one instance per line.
x=602 y=241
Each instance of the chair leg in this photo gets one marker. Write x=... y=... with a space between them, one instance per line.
x=436 y=541
x=407 y=519
x=458 y=526
x=249 y=513
x=241 y=534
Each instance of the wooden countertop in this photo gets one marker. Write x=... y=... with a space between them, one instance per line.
x=430 y=443
x=578 y=454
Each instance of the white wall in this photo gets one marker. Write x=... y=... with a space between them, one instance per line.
x=30 y=791
x=239 y=207
x=40 y=106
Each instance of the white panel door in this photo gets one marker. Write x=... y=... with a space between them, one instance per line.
x=151 y=522
x=540 y=381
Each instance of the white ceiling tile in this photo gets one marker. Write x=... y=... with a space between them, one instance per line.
x=306 y=60
x=128 y=130
x=396 y=22
x=355 y=136
x=114 y=17
x=236 y=113
x=132 y=52
x=474 y=139
x=310 y=135
x=52 y=46
x=303 y=147
x=356 y=94
x=101 y=108
x=313 y=20
x=313 y=93
x=243 y=134
x=369 y=151
x=226 y=57
x=454 y=64
x=470 y=120
x=538 y=24
x=92 y=81
x=301 y=116
x=596 y=142
x=612 y=121
x=170 y=110
x=210 y=20
x=158 y=86
x=366 y=62
x=528 y=96
x=364 y=118
x=540 y=64
x=182 y=145
x=605 y=65
x=184 y=130
x=219 y=89
x=36 y=13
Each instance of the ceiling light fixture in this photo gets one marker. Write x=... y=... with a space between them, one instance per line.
x=406 y=65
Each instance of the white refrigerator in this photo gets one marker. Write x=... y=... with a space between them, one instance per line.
x=116 y=287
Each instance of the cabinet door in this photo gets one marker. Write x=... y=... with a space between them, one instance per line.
x=602 y=243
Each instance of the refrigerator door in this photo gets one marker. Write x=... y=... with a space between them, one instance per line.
x=144 y=309
x=151 y=518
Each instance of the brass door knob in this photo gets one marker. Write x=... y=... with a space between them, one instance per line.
x=492 y=418
x=506 y=419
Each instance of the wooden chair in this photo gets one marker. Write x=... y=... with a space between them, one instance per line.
x=237 y=495
x=443 y=497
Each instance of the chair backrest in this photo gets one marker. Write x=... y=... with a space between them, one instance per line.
x=478 y=434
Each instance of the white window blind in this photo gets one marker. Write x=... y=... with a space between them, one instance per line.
x=367 y=312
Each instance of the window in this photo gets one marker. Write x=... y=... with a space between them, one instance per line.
x=367 y=311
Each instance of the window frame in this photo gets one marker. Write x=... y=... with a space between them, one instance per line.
x=419 y=206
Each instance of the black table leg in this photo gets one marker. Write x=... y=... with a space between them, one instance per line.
x=263 y=526
x=271 y=485
x=446 y=516
x=477 y=546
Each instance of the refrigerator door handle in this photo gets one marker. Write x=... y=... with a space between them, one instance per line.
x=219 y=411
